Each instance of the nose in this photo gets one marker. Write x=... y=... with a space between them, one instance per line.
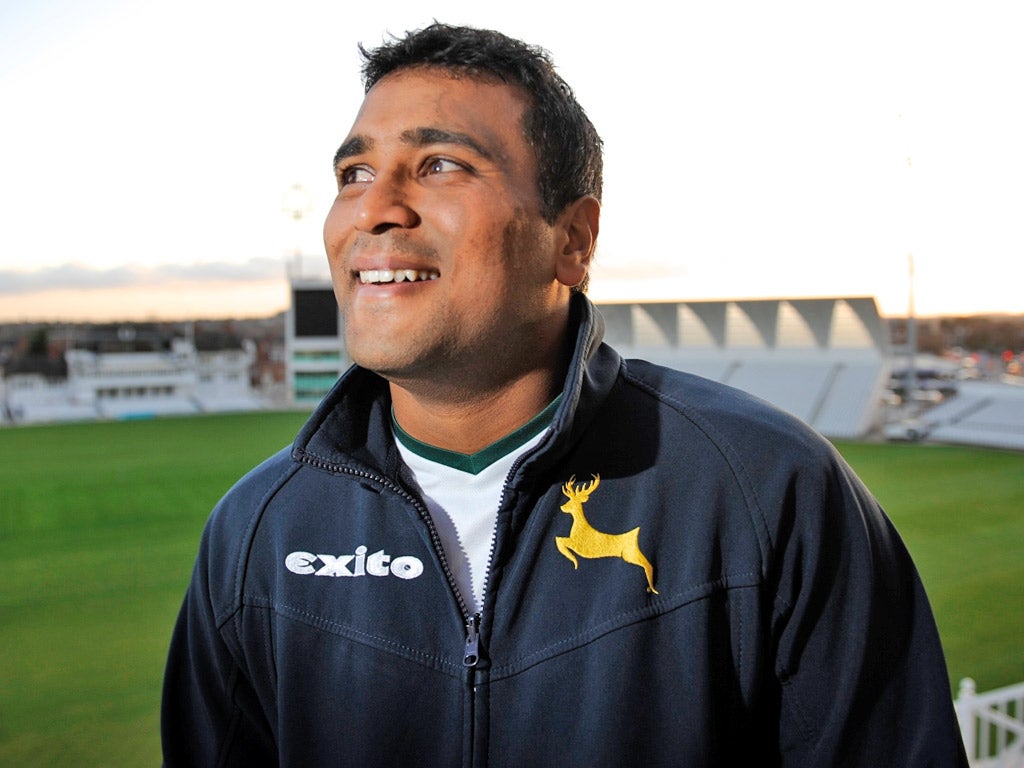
x=384 y=205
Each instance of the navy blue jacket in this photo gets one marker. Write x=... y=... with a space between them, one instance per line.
x=787 y=625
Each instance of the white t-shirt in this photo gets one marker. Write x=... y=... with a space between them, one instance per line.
x=462 y=493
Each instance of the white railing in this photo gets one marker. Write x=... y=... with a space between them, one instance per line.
x=992 y=725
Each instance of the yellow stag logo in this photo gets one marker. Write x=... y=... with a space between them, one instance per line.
x=588 y=542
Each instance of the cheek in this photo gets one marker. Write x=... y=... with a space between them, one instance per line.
x=469 y=226
x=448 y=223
x=529 y=245
x=342 y=284
x=334 y=228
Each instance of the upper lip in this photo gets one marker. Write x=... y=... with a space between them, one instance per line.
x=403 y=256
x=383 y=262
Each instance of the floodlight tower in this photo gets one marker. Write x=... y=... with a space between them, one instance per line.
x=909 y=202
x=296 y=203
x=911 y=332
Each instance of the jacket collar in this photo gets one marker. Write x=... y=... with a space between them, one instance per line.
x=351 y=428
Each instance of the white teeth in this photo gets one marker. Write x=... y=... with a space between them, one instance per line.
x=396 y=275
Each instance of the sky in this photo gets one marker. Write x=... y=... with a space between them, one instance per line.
x=149 y=149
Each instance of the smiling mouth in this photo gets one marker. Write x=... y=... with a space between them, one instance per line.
x=380 y=276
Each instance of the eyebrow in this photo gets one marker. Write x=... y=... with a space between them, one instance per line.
x=416 y=137
x=422 y=137
x=354 y=146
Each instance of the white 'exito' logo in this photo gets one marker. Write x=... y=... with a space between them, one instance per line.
x=358 y=564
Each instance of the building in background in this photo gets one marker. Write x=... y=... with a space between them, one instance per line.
x=314 y=341
x=130 y=372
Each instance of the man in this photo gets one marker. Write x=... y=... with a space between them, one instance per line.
x=497 y=543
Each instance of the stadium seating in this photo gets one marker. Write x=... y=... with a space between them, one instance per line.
x=823 y=360
x=982 y=413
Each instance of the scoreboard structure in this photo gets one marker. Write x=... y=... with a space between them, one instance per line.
x=314 y=342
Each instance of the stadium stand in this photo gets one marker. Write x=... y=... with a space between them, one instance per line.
x=177 y=381
x=824 y=360
x=34 y=399
x=982 y=413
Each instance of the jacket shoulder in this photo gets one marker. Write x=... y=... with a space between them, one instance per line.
x=229 y=530
x=251 y=488
x=735 y=421
x=789 y=475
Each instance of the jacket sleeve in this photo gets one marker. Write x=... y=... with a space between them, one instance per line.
x=210 y=714
x=856 y=650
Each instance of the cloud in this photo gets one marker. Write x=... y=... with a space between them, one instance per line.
x=84 y=278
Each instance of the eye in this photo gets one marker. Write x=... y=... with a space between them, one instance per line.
x=443 y=165
x=354 y=174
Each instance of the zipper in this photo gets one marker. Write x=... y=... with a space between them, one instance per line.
x=501 y=504
x=472 y=655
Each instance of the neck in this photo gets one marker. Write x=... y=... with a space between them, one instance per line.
x=472 y=421
x=466 y=410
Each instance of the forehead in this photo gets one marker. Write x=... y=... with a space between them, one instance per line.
x=490 y=111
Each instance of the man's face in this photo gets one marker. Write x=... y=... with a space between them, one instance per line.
x=442 y=264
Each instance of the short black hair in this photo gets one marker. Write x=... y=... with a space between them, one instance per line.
x=566 y=144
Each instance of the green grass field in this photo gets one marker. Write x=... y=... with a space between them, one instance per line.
x=99 y=525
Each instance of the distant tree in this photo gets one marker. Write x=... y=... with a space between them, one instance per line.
x=985 y=334
x=930 y=338
x=39 y=343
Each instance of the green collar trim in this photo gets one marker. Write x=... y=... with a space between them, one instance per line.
x=475 y=463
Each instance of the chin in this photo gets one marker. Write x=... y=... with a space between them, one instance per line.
x=383 y=364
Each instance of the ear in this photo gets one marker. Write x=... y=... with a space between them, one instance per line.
x=580 y=222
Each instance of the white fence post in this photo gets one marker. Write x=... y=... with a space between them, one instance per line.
x=992 y=725
x=965 y=716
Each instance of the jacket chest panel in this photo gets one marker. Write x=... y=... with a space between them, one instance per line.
x=584 y=564
x=643 y=691
x=356 y=563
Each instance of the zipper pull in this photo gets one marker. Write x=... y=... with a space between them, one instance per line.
x=472 y=655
